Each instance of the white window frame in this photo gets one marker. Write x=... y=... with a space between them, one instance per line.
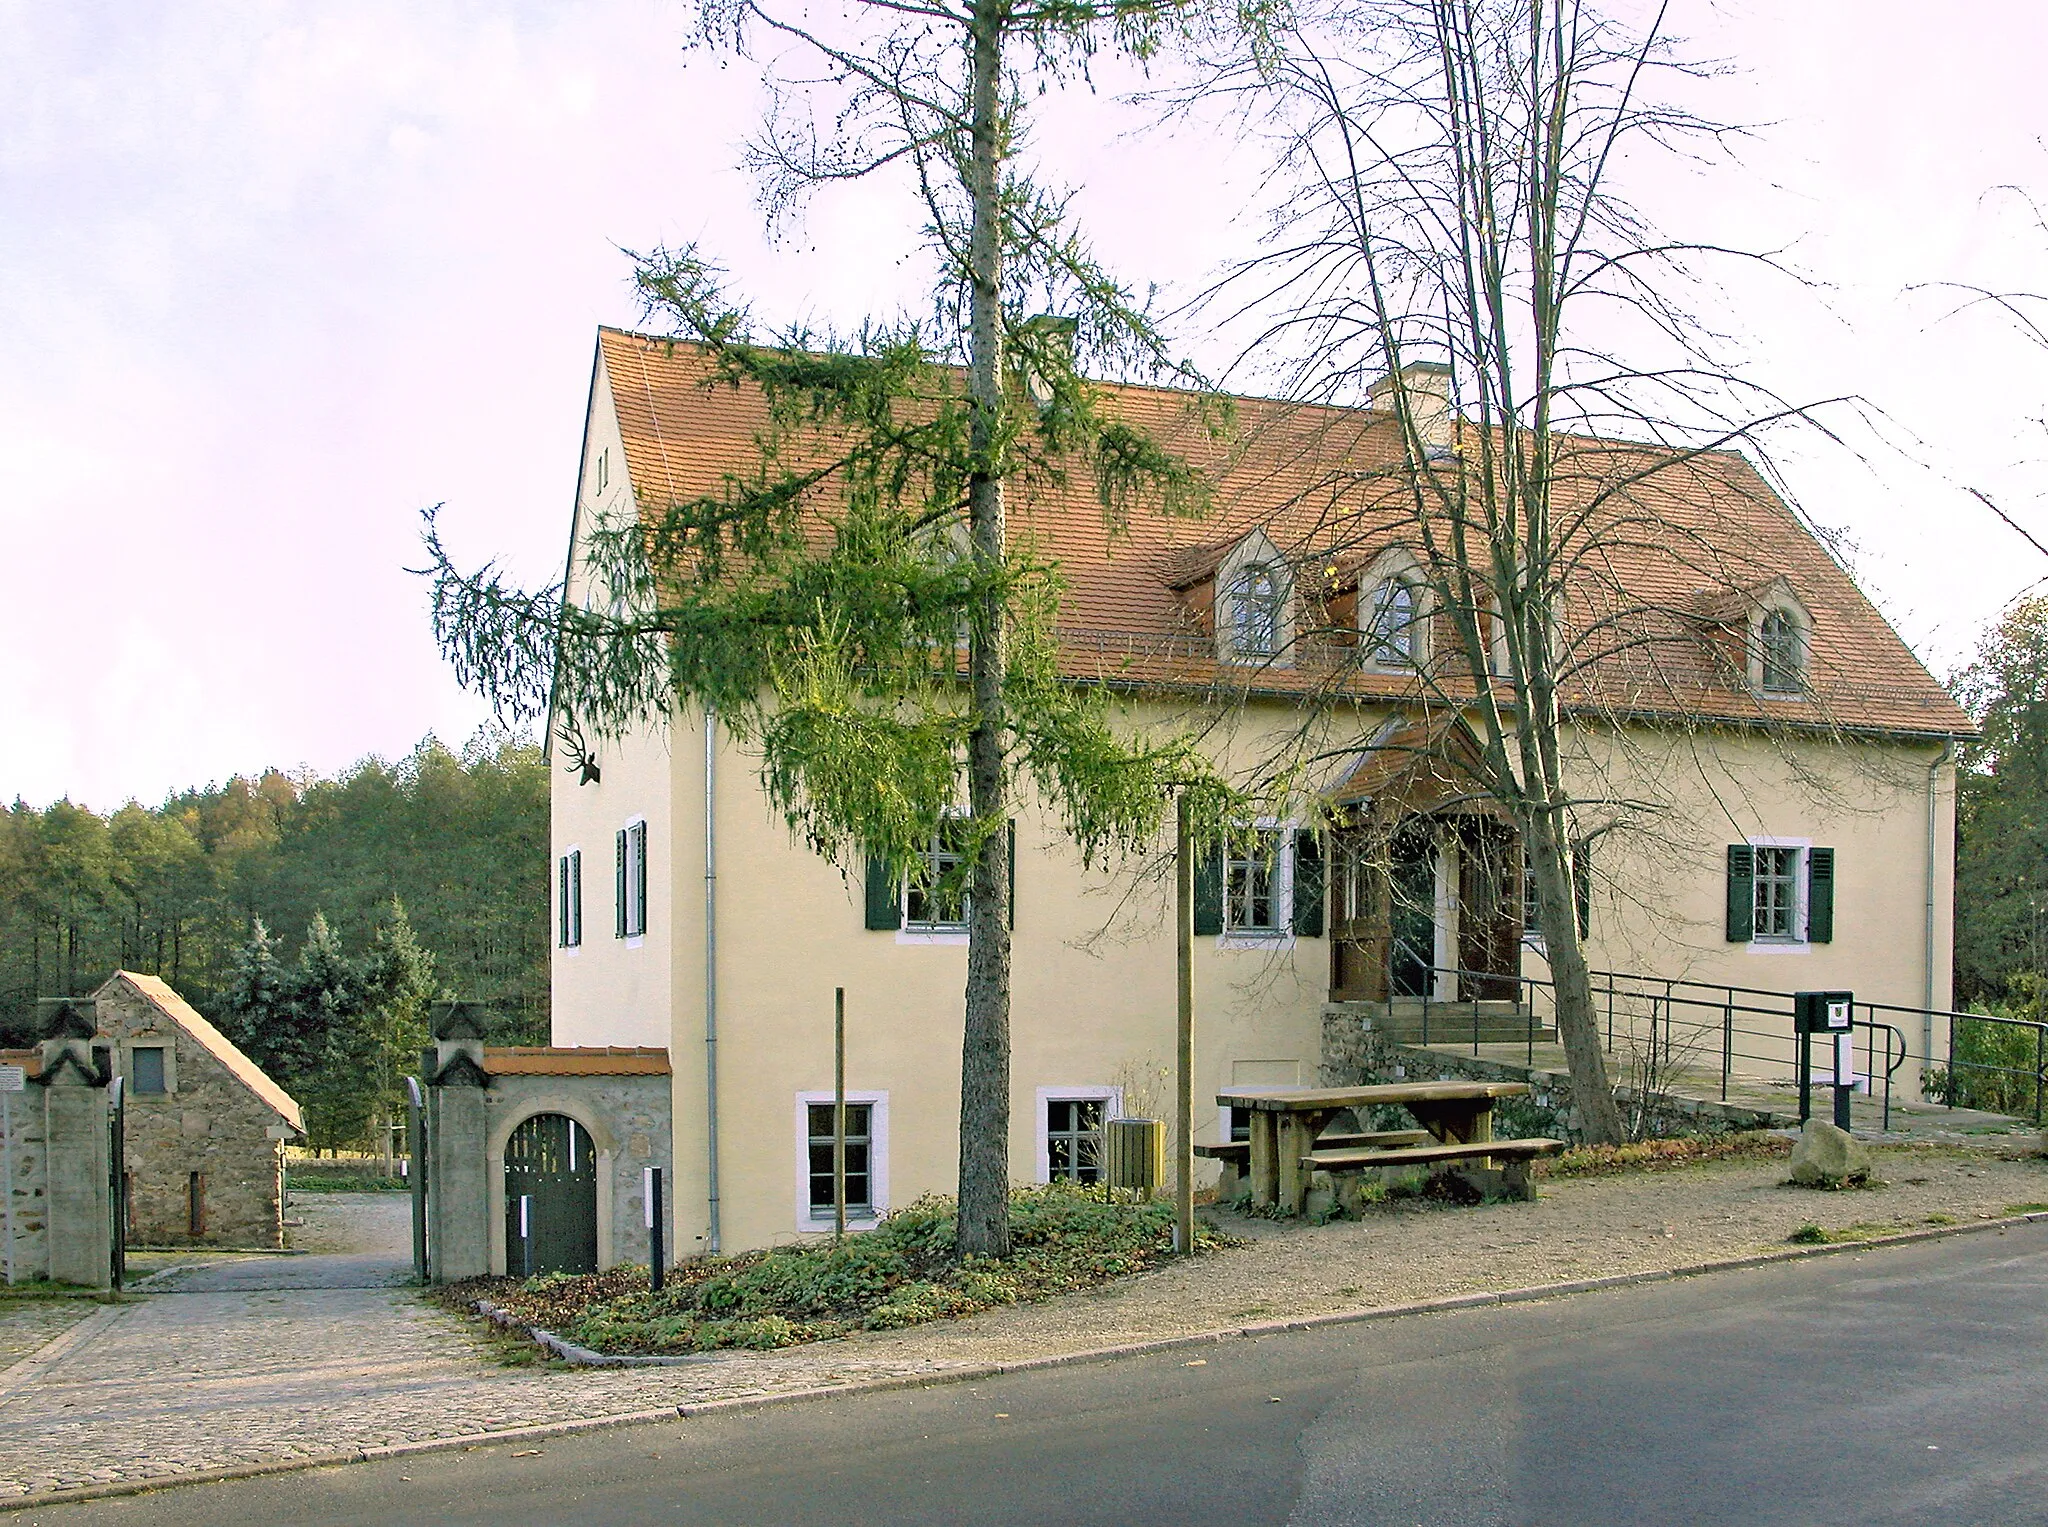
x=1255 y=551
x=1798 y=943
x=569 y=899
x=1414 y=649
x=1760 y=664
x=910 y=931
x=1257 y=616
x=1281 y=934
x=1112 y=1099
x=636 y=881
x=878 y=1162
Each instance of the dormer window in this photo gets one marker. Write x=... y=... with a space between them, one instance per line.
x=1392 y=630
x=1780 y=653
x=1255 y=607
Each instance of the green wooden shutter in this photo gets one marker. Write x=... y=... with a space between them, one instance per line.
x=1013 y=872
x=1741 y=893
x=1582 y=886
x=1820 y=895
x=1209 y=891
x=885 y=894
x=619 y=883
x=1308 y=883
x=562 y=903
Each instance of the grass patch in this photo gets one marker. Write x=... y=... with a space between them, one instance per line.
x=1815 y=1235
x=1663 y=1155
x=2026 y=1208
x=341 y=1176
x=901 y=1273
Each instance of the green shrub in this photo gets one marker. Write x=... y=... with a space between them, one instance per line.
x=900 y=1273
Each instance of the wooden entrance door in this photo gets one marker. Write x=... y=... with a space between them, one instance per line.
x=550 y=1198
x=1489 y=910
x=1358 y=918
x=1412 y=911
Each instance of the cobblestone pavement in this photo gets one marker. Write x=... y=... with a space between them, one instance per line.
x=263 y=1358
x=26 y=1324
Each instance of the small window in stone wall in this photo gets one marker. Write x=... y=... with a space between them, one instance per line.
x=146 y=1069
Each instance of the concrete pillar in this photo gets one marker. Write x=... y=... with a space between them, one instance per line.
x=80 y=1219
x=459 y=1227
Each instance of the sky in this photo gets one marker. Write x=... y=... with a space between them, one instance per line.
x=276 y=275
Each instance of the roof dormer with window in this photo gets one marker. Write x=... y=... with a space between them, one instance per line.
x=1254 y=604
x=1393 y=613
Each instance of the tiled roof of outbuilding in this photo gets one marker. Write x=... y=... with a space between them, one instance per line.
x=1679 y=545
x=158 y=994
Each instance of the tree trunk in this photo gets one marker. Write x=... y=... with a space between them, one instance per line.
x=984 y=1222
x=1577 y=1023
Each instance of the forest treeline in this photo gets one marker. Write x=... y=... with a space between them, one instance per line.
x=446 y=849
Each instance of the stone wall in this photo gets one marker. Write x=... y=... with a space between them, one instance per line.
x=205 y=1122
x=1355 y=1055
x=28 y=1187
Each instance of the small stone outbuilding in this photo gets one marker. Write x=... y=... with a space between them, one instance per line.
x=206 y=1128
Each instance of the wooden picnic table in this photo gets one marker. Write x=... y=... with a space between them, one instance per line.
x=1286 y=1120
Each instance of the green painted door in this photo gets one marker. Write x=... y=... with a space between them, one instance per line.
x=550 y=1198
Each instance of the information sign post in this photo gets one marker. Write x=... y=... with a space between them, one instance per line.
x=1831 y=1013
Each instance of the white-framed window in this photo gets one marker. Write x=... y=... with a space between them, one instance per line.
x=1779 y=914
x=569 y=899
x=867 y=1159
x=604 y=468
x=1072 y=1128
x=935 y=899
x=1393 y=626
x=1780 y=652
x=1254 y=883
x=1255 y=604
x=630 y=879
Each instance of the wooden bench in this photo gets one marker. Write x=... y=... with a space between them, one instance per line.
x=1239 y=1152
x=1514 y=1157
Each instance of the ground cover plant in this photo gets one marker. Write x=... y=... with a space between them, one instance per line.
x=901 y=1273
x=1654 y=1155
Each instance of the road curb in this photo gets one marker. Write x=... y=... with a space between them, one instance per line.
x=980 y=1371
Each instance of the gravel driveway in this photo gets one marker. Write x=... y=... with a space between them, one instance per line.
x=257 y=1359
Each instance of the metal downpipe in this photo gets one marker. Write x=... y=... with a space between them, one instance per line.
x=711 y=1236
x=1927 y=1005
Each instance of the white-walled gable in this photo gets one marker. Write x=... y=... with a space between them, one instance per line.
x=613 y=987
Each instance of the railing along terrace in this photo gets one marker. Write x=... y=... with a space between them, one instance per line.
x=1668 y=1024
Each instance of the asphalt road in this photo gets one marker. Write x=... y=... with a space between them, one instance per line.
x=1898 y=1386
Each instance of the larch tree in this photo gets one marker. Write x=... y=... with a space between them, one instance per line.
x=819 y=602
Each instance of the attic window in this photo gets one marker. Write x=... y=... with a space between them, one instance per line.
x=1781 y=653
x=604 y=468
x=1254 y=616
x=1392 y=626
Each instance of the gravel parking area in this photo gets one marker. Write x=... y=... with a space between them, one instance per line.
x=276 y=1358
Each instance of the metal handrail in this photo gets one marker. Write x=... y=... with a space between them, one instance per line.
x=1712 y=1005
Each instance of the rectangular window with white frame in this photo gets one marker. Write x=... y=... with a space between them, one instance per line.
x=1072 y=1131
x=1780 y=894
x=630 y=879
x=867 y=1159
x=935 y=898
x=569 y=899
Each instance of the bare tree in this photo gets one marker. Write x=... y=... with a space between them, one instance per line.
x=1545 y=427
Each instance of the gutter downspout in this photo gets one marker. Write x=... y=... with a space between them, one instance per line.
x=1927 y=1006
x=711 y=977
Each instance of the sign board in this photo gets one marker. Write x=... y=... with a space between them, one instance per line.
x=279 y=1132
x=13 y=1079
x=1823 y=1012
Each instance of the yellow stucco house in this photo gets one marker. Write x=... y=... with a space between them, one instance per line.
x=1773 y=760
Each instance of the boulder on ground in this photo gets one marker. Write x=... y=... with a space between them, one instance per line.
x=1828 y=1157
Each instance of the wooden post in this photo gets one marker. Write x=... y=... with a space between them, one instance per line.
x=1184 y=1118
x=838 y=1113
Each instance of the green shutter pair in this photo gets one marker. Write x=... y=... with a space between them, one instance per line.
x=885 y=889
x=619 y=883
x=1307 y=847
x=1820 y=894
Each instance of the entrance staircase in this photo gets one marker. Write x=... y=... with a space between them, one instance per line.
x=1415 y=1021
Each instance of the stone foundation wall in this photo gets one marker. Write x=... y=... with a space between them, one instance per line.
x=29 y=1187
x=1357 y=1056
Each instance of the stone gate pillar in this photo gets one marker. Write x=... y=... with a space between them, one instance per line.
x=458 y=1194
x=80 y=1220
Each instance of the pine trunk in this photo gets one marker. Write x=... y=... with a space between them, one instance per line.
x=984 y=1223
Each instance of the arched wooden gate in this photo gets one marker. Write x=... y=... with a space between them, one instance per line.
x=550 y=1197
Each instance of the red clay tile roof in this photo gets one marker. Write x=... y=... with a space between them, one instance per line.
x=591 y=1060
x=174 y=1007
x=1667 y=555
